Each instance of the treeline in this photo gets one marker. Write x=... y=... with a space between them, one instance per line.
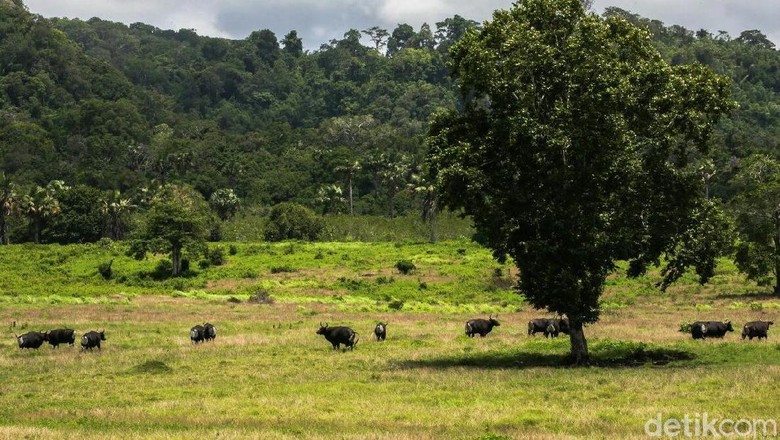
x=113 y=111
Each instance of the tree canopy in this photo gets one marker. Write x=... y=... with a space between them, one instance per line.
x=576 y=146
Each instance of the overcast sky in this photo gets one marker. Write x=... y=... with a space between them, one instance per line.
x=319 y=21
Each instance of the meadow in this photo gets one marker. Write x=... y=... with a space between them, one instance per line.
x=268 y=375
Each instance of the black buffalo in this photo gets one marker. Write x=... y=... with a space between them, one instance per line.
x=380 y=331
x=197 y=334
x=209 y=332
x=551 y=327
x=480 y=326
x=339 y=335
x=31 y=339
x=710 y=329
x=92 y=339
x=756 y=329
x=61 y=336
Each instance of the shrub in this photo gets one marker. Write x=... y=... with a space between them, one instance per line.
x=395 y=304
x=685 y=327
x=204 y=264
x=105 y=270
x=163 y=269
x=233 y=249
x=319 y=255
x=291 y=221
x=756 y=306
x=283 y=269
x=260 y=296
x=217 y=256
x=405 y=267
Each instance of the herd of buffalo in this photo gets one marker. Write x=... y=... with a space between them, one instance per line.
x=341 y=335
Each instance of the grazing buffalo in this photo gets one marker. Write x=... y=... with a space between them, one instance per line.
x=710 y=329
x=380 y=331
x=339 y=335
x=197 y=334
x=61 y=336
x=31 y=339
x=209 y=332
x=92 y=339
x=756 y=329
x=480 y=326
x=551 y=327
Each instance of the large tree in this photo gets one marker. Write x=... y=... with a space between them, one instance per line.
x=574 y=148
x=757 y=208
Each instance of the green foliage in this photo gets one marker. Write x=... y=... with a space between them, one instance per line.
x=176 y=222
x=216 y=256
x=758 y=219
x=395 y=304
x=291 y=221
x=573 y=149
x=104 y=269
x=81 y=219
x=225 y=202
x=405 y=267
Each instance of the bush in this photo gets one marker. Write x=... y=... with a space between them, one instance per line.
x=283 y=269
x=260 y=296
x=291 y=221
x=105 y=270
x=756 y=306
x=217 y=256
x=405 y=267
x=204 y=264
x=233 y=249
x=163 y=269
x=395 y=304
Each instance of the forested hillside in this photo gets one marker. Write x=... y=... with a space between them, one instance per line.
x=109 y=107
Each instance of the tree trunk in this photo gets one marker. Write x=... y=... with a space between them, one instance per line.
x=3 y=229
x=37 y=231
x=391 y=204
x=176 y=259
x=579 y=346
x=432 y=216
x=351 y=209
x=777 y=264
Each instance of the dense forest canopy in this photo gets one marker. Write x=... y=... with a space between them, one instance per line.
x=113 y=107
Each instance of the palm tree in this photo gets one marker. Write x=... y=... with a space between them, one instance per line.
x=9 y=201
x=41 y=204
x=350 y=170
x=428 y=208
x=116 y=208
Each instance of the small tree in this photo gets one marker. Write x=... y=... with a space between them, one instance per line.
x=292 y=221
x=225 y=203
x=757 y=209
x=175 y=222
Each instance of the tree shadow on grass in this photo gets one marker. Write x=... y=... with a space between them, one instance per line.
x=755 y=295
x=609 y=355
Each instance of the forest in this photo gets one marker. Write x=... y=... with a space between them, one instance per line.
x=96 y=114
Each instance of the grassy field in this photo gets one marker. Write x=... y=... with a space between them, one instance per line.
x=268 y=375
